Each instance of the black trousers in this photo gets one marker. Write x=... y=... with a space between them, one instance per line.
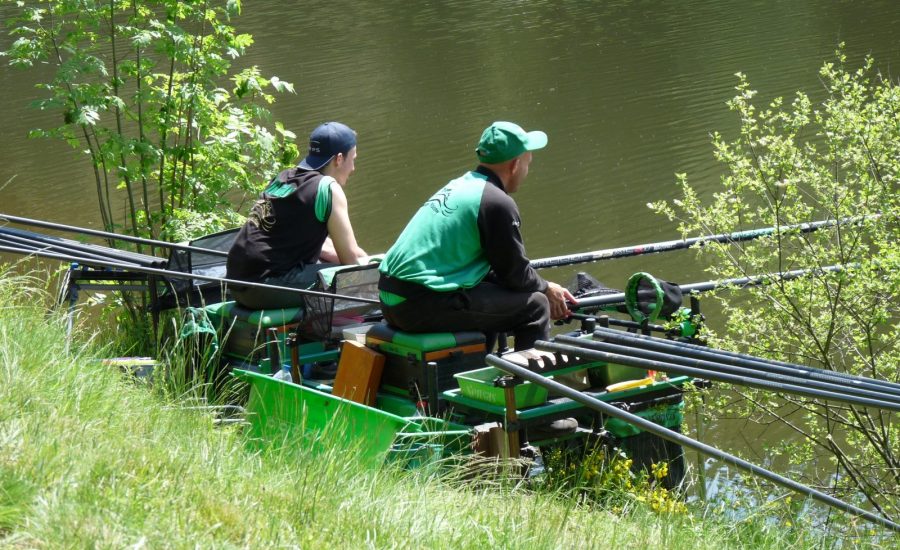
x=488 y=308
x=304 y=277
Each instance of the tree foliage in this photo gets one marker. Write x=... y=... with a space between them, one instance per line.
x=791 y=163
x=140 y=88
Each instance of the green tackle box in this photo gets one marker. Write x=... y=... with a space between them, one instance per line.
x=668 y=416
x=422 y=366
x=610 y=373
x=479 y=385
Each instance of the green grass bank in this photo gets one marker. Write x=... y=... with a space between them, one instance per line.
x=89 y=459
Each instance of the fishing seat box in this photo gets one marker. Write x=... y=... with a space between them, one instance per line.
x=244 y=330
x=407 y=357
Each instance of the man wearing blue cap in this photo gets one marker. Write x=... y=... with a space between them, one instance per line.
x=460 y=263
x=299 y=221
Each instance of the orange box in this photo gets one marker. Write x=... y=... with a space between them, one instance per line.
x=359 y=373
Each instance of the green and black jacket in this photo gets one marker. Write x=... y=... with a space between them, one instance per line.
x=464 y=231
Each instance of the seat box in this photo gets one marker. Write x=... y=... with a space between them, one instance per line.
x=422 y=366
x=244 y=330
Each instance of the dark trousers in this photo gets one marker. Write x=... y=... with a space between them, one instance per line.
x=304 y=277
x=488 y=308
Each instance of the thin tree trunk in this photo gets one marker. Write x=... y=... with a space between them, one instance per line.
x=164 y=138
x=118 y=116
x=140 y=121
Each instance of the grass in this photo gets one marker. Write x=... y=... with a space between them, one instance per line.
x=91 y=459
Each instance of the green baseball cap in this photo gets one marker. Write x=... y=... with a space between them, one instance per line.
x=503 y=141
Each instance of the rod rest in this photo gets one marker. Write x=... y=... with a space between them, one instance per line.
x=544 y=362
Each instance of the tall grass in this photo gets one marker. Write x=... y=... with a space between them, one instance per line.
x=88 y=458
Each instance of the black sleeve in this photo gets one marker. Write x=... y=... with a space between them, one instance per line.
x=498 y=224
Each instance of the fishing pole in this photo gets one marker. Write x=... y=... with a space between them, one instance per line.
x=679 y=244
x=683 y=440
x=741 y=282
x=66 y=246
x=182 y=275
x=615 y=322
x=650 y=364
x=743 y=360
x=713 y=366
x=24 y=245
x=107 y=235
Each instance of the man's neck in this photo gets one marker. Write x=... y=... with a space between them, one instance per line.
x=492 y=176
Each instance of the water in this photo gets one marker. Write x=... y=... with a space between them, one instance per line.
x=628 y=92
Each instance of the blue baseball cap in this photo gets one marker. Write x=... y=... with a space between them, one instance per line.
x=325 y=142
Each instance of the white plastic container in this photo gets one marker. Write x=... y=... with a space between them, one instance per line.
x=357 y=333
x=284 y=374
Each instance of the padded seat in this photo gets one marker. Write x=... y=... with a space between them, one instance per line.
x=422 y=344
x=262 y=318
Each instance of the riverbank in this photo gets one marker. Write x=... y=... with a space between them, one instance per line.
x=88 y=458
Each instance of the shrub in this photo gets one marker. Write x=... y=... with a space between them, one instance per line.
x=791 y=163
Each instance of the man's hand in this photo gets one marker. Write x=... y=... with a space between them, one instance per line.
x=558 y=297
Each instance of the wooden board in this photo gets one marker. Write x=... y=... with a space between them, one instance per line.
x=359 y=373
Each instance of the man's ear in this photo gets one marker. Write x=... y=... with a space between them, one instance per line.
x=338 y=159
x=514 y=165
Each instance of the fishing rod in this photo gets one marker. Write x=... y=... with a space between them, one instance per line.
x=743 y=360
x=27 y=246
x=650 y=364
x=740 y=282
x=613 y=321
x=683 y=440
x=66 y=246
x=107 y=235
x=679 y=244
x=181 y=275
x=748 y=372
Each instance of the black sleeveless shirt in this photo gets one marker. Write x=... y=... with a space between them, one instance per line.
x=286 y=227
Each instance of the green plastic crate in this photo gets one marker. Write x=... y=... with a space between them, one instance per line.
x=667 y=416
x=610 y=373
x=479 y=385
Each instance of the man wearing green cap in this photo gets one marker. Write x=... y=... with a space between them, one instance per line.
x=460 y=263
